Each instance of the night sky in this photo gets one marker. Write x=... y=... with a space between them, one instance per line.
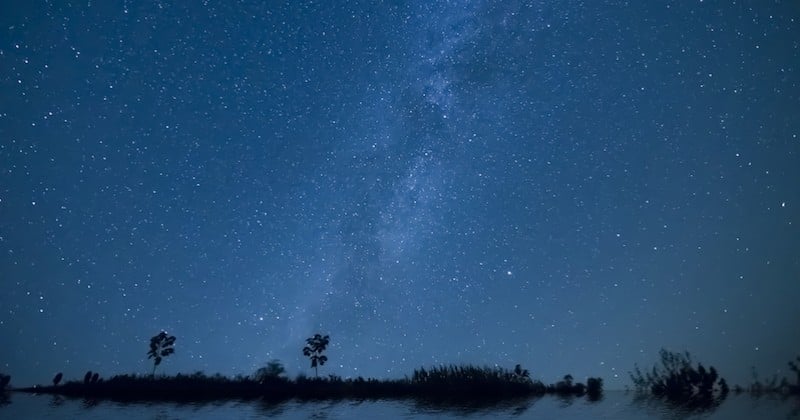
x=569 y=185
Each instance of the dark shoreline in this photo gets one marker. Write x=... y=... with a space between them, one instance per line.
x=457 y=384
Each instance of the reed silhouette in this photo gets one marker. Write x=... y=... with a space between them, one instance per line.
x=57 y=378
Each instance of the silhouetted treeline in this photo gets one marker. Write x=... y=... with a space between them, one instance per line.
x=269 y=382
x=444 y=383
x=468 y=379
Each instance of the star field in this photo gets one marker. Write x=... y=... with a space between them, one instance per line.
x=567 y=185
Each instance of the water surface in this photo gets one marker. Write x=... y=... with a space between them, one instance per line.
x=615 y=405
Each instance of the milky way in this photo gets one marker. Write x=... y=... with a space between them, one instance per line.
x=566 y=185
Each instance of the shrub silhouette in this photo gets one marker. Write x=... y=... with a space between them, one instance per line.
x=313 y=350
x=566 y=386
x=88 y=377
x=4 y=381
x=568 y=379
x=160 y=347
x=594 y=388
x=773 y=385
x=678 y=381
x=57 y=378
x=274 y=370
x=467 y=381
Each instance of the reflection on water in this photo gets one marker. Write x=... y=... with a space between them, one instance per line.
x=733 y=407
x=614 y=405
x=270 y=409
x=675 y=410
x=56 y=401
x=662 y=408
x=437 y=407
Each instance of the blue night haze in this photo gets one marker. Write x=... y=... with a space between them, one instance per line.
x=569 y=186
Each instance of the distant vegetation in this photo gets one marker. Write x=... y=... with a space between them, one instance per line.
x=313 y=350
x=444 y=383
x=676 y=380
x=273 y=370
x=4 y=394
x=161 y=345
x=681 y=384
x=774 y=386
x=465 y=380
x=91 y=377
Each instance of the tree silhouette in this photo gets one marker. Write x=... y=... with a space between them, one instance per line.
x=57 y=378
x=273 y=370
x=160 y=347
x=313 y=350
x=566 y=386
x=4 y=380
x=594 y=387
x=520 y=373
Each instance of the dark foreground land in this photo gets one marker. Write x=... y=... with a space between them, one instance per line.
x=676 y=382
x=444 y=383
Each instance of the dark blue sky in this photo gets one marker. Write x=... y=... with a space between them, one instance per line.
x=567 y=185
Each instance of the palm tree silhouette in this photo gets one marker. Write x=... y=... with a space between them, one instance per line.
x=316 y=345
